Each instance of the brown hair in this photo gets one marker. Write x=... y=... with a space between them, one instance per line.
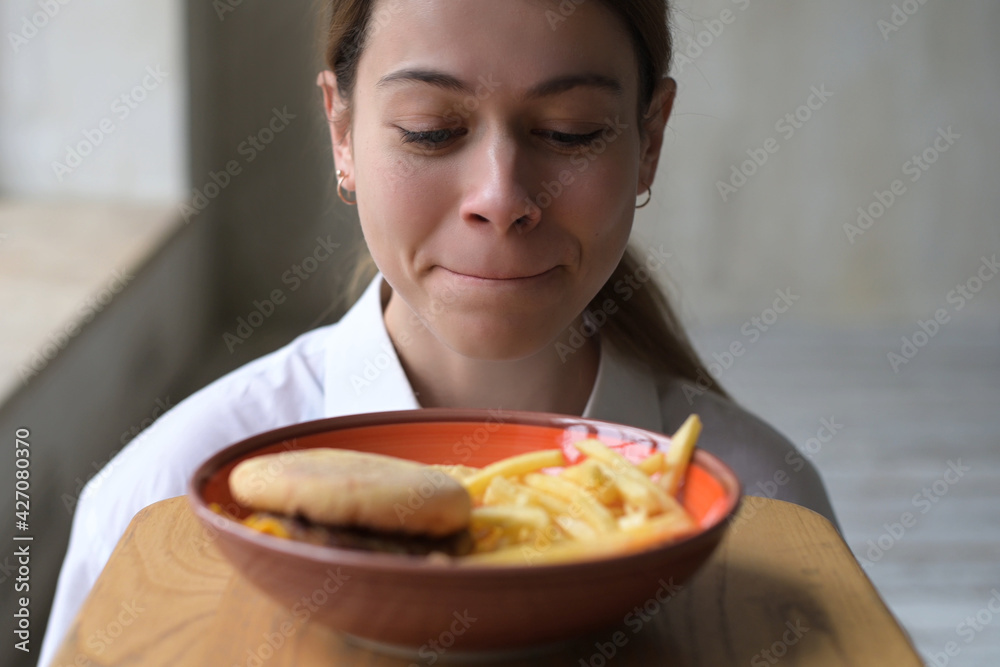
x=645 y=326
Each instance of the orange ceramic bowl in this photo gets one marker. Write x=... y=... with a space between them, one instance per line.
x=408 y=601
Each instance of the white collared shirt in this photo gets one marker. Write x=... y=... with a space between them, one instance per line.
x=351 y=367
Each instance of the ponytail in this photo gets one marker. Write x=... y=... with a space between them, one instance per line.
x=646 y=328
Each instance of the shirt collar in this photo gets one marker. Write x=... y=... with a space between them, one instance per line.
x=364 y=374
x=624 y=392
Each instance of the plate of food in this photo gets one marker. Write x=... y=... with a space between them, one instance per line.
x=501 y=530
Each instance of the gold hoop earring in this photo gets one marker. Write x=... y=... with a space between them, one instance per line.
x=649 y=196
x=340 y=190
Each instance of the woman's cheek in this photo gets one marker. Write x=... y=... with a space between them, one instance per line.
x=409 y=193
x=598 y=196
x=398 y=172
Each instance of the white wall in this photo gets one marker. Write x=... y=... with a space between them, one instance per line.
x=785 y=226
x=62 y=79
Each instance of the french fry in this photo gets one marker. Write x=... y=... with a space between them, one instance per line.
x=558 y=509
x=591 y=511
x=652 y=464
x=589 y=476
x=489 y=539
x=658 y=529
x=635 y=487
x=514 y=466
x=267 y=524
x=552 y=504
x=635 y=493
x=654 y=531
x=557 y=552
x=674 y=506
x=649 y=532
x=576 y=529
x=601 y=506
x=679 y=455
x=508 y=516
x=632 y=518
x=501 y=491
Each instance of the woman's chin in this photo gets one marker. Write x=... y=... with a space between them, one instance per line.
x=508 y=345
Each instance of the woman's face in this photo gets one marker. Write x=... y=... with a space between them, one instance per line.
x=496 y=159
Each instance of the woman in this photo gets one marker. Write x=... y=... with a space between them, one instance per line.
x=495 y=152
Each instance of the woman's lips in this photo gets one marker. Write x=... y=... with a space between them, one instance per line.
x=498 y=276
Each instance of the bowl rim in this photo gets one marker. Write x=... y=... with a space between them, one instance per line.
x=408 y=564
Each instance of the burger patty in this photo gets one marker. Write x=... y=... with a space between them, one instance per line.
x=301 y=529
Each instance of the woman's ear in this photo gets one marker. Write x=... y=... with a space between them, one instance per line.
x=654 y=126
x=340 y=126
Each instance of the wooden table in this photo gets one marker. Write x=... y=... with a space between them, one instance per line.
x=783 y=588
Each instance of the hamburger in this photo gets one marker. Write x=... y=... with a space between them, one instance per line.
x=355 y=500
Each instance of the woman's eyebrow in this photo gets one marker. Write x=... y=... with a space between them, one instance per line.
x=554 y=86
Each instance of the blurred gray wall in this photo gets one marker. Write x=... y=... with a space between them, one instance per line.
x=257 y=110
x=234 y=85
x=75 y=73
x=249 y=218
x=742 y=66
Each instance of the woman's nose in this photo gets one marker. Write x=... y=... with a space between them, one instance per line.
x=499 y=188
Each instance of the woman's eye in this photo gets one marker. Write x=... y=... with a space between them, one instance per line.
x=570 y=140
x=431 y=138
